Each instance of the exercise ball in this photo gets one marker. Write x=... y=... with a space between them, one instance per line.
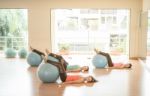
x=53 y=59
x=99 y=61
x=10 y=53
x=48 y=73
x=34 y=59
x=22 y=53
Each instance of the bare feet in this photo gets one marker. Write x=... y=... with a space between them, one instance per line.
x=31 y=48
x=96 y=50
x=47 y=51
x=44 y=58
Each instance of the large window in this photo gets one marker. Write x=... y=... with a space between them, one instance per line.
x=82 y=30
x=13 y=29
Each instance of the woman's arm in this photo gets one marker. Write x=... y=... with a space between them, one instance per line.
x=81 y=80
x=74 y=70
x=117 y=66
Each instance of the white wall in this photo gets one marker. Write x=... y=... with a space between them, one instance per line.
x=146 y=5
x=143 y=28
x=39 y=17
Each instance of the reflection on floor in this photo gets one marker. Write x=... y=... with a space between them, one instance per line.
x=17 y=78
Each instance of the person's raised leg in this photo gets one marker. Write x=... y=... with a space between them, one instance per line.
x=37 y=51
x=62 y=71
x=59 y=57
x=110 y=63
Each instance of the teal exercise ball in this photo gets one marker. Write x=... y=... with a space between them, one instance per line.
x=48 y=73
x=22 y=53
x=34 y=59
x=99 y=61
x=52 y=59
x=10 y=53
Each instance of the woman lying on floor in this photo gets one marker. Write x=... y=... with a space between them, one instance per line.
x=110 y=63
x=68 y=68
x=69 y=79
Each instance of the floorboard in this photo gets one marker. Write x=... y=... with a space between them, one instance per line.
x=17 y=78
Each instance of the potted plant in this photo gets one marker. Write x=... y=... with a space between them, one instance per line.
x=64 y=48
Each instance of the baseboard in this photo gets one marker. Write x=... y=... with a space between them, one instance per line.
x=137 y=58
x=134 y=58
x=142 y=58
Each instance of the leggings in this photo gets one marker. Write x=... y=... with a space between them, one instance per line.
x=38 y=52
x=110 y=63
x=62 y=72
x=59 y=58
x=63 y=76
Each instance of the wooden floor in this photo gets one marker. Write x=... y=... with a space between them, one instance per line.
x=17 y=78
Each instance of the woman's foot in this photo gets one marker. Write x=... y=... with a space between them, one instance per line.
x=44 y=58
x=31 y=48
x=47 y=51
x=96 y=50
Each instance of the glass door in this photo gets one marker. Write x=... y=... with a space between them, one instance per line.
x=79 y=31
x=13 y=29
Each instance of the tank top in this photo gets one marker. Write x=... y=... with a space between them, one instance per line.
x=72 y=77
x=117 y=64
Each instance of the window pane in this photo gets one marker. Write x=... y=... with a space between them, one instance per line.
x=13 y=28
x=84 y=29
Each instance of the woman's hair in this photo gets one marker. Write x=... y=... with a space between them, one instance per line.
x=130 y=65
x=87 y=68
x=92 y=79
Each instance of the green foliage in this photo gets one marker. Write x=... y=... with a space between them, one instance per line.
x=64 y=46
x=13 y=23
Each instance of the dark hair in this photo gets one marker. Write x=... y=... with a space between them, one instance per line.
x=93 y=79
x=86 y=67
x=130 y=65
